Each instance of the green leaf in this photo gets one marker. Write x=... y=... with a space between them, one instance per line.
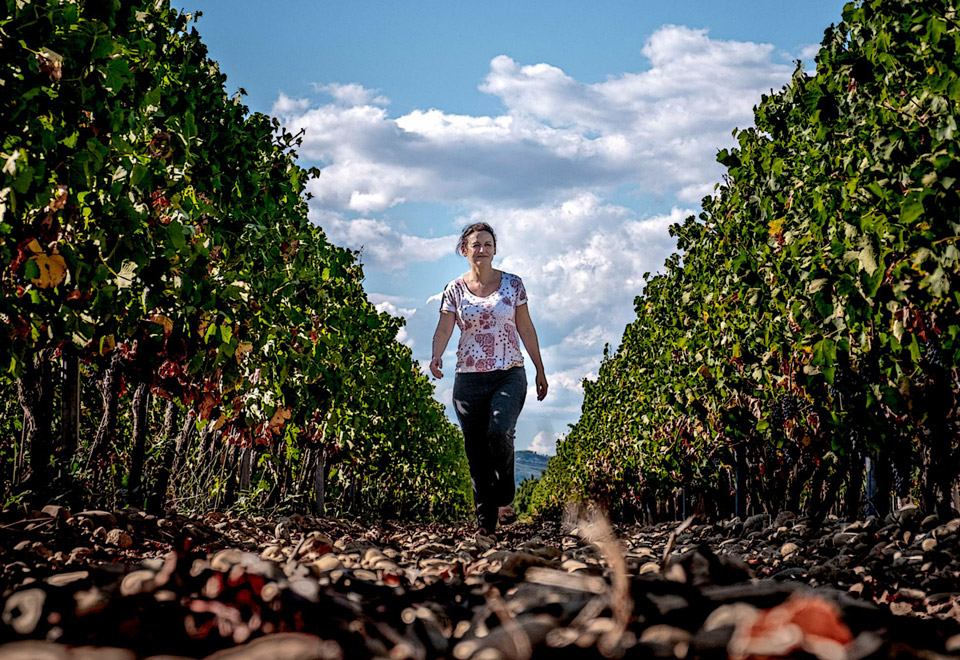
x=911 y=210
x=867 y=259
x=116 y=74
x=824 y=352
x=175 y=232
x=31 y=270
x=938 y=282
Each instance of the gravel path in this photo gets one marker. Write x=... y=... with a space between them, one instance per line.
x=123 y=584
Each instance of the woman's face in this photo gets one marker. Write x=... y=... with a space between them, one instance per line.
x=479 y=247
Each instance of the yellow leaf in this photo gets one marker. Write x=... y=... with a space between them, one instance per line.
x=280 y=416
x=53 y=269
x=242 y=349
x=775 y=227
x=206 y=405
x=107 y=344
x=165 y=321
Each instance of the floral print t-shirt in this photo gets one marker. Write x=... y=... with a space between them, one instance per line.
x=488 y=325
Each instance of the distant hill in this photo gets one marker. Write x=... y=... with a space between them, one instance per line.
x=528 y=464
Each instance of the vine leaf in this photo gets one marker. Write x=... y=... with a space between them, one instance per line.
x=868 y=260
x=50 y=270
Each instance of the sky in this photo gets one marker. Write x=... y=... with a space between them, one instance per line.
x=579 y=131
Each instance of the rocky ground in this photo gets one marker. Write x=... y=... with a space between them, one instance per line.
x=121 y=585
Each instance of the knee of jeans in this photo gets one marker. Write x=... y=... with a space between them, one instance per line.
x=501 y=434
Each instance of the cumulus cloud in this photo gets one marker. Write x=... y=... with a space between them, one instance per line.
x=352 y=94
x=657 y=129
x=545 y=443
x=381 y=245
x=393 y=305
x=582 y=258
x=808 y=53
x=285 y=106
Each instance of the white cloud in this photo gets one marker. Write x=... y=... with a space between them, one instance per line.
x=352 y=94
x=545 y=443
x=381 y=245
x=286 y=106
x=405 y=339
x=582 y=260
x=393 y=305
x=393 y=310
x=658 y=129
x=808 y=53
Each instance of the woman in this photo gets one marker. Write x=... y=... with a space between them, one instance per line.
x=490 y=308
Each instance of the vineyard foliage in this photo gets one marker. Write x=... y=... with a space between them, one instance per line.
x=811 y=316
x=175 y=329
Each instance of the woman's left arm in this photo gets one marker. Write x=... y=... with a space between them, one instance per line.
x=528 y=334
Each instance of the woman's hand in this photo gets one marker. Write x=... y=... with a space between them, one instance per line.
x=541 y=385
x=436 y=364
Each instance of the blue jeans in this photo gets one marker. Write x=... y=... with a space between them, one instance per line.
x=487 y=405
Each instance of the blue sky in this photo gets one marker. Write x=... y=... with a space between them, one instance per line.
x=580 y=131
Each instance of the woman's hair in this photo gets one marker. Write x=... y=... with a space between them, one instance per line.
x=468 y=231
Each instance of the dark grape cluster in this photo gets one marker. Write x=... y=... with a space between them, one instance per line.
x=901 y=481
x=933 y=355
x=853 y=440
x=847 y=379
x=784 y=407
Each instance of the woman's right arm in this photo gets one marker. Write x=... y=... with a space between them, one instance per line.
x=440 y=339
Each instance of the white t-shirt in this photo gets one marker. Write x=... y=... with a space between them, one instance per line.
x=488 y=324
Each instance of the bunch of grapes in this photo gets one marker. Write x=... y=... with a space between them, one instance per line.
x=933 y=355
x=901 y=481
x=784 y=407
x=853 y=439
x=845 y=381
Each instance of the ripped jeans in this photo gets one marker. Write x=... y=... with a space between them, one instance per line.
x=488 y=404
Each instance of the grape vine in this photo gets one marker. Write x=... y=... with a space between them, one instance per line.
x=810 y=316
x=154 y=239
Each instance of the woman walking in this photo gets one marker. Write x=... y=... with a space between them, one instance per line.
x=490 y=308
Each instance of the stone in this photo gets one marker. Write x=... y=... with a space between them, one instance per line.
x=664 y=634
x=98 y=518
x=56 y=511
x=930 y=522
x=119 y=539
x=35 y=650
x=907 y=516
x=788 y=549
x=327 y=563
x=283 y=646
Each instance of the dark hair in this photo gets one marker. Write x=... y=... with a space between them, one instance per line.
x=473 y=229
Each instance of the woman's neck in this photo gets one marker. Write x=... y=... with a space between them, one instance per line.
x=483 y=273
